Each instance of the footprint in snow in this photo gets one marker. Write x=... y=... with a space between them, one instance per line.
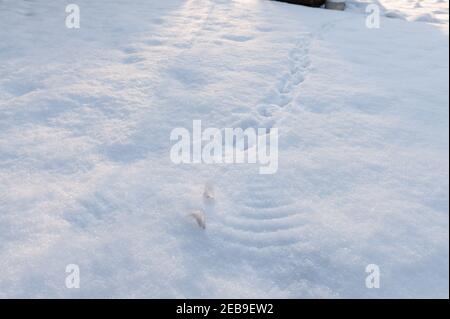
x=129 y=50
x=208 y=193
x=267 y=110
x=241 y=110
x=154 y=42
x=264 y=29
x=133 y=59
x=158 y=21
x=237 y=38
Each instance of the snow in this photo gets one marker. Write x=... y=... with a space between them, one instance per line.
x=432 y=11
x=86 y=178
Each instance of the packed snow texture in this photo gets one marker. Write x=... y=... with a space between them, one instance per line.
x=86 y=178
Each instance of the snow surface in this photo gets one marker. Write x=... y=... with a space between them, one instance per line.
x=432 y=11
x=86 y=178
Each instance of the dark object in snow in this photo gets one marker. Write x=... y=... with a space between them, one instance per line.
x=335 y=4
x=309 y=3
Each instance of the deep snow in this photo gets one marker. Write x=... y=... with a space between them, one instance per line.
x=86 y=178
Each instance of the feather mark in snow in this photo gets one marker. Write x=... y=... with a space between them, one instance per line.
x=199 y=216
